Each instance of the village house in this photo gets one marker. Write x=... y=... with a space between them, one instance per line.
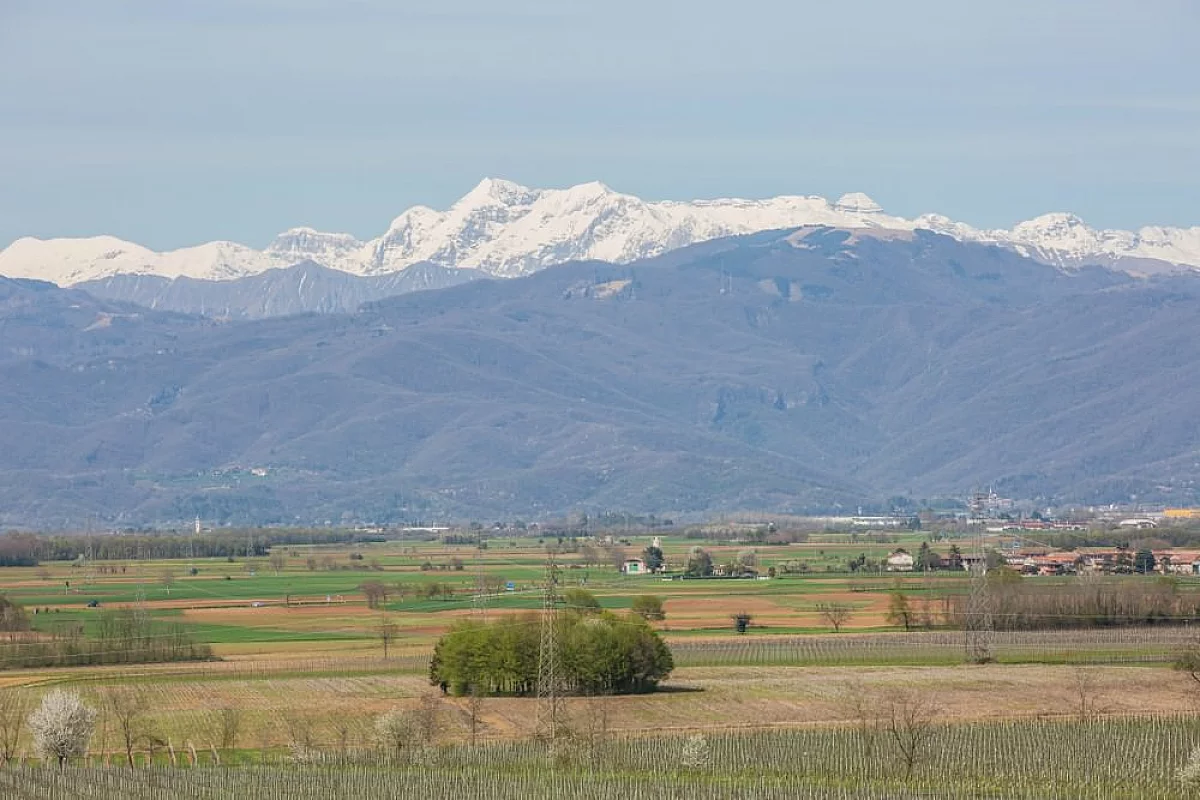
x=900 y=561
x=1172 y=562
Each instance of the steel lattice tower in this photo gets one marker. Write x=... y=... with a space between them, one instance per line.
x=548 y=708
x=479 y=600
x=979 y=626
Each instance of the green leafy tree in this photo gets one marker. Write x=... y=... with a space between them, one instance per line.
x=648 y=606
x=653 y=556
x=581 y=600
x=927 y=560
x=993 y=560
x=1144 y=562
x=954 y=559
x=700 y=563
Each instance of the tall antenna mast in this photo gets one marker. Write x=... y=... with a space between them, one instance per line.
x=548 y=708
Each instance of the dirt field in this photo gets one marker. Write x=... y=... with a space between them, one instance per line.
x=732 y=698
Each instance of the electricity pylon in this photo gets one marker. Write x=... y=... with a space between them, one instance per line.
x=548 y=689
x=979 y=626
x=479 y=599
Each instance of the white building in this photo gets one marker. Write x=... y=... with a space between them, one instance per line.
x=900 y=561
x=634 y=566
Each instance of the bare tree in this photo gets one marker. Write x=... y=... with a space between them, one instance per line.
x=375 y=592
x=154 y=743
x=387 y=631
x=910 y=725
x=589 y=556
x=62 y=726
x=341 y=726
x=167 y=579
x=748 y=559
x=300 y=736
x=835 y=614
x=474 y=712
x=863 y=709
x=1085 y=688
x=595 y=728
x=127 y=707
x=277 y=562
x=230 y=721
x=616 y=556
x=13 y=708
x=427 y=719
x=899 y=610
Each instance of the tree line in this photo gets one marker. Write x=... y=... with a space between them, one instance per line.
x=1089 y=603
x=29 y=549
x=119 y=636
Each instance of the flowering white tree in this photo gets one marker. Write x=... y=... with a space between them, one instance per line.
x=395 y=732
x=695 y=753
x=62 y=726
x=1190 y=773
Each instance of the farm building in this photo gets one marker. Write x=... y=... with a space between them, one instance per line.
x=900 y=561
x=634 y=566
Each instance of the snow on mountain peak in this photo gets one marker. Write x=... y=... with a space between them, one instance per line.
x=507 y=229
x=491 y=191
x=857 y=203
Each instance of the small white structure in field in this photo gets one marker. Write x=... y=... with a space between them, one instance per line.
x=900 y=561
x=634 y=566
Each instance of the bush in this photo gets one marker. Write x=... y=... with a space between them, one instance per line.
x=580 y=600
x=648 y=606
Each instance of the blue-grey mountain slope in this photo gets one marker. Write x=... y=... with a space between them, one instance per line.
x=776 y=371
x=301 y=288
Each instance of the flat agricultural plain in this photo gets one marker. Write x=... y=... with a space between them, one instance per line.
x=300 y=666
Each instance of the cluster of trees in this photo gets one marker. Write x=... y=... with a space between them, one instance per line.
x=19 y=550
x=924 y=560
x=12 y=616
x=1163 y=538
x=700 y=564
x=377 y=593
x=598 y=653
x=354 y=562
x=1086 y=602
x=120 y=636
x=455 y=564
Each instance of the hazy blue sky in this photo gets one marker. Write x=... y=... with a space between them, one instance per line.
x=172 y=123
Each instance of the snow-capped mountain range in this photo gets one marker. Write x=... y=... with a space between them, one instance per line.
x=508 y=230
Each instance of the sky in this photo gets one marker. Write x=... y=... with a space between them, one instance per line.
x=174 y=123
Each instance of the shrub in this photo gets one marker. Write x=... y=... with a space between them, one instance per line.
x=648 y=606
